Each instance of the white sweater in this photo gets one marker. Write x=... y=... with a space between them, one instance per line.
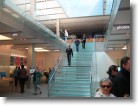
x=100 y=94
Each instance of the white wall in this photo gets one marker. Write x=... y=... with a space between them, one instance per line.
x=105 y=59
x=5 y=52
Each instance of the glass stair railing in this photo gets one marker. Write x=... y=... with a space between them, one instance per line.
x=74 y=81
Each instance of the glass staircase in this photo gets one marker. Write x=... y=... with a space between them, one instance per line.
x=73 y=81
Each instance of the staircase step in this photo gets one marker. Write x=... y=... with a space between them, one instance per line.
x=70 y=82
x=71 y=89
x=73 y=76
x=77 y=73
x=74 y=81
x=70 y=94
x=71 y=86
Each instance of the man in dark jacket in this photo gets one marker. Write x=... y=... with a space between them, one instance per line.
x=121 y=86
x=22 y=77
x=83 y=41
x=69 y=53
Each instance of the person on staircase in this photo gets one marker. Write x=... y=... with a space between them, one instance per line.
x=77 y=43
x=83 y=39
x=69 y=52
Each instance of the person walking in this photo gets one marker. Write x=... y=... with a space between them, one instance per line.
x=77 y=43
x=69 y=53
x=83 y=39
x=16 y=72
x=37 y=75
x=22 y=77
x=121 y=86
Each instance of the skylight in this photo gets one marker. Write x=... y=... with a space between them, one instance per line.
x=56 y=9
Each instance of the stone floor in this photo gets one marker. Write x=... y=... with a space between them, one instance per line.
x=7 y=92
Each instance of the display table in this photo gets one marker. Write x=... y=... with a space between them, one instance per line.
x=7 y=82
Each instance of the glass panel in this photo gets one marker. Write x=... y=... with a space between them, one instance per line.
x=50 y=11
x=48 y=4
x=77 y=8
x=71 y=8
x=108 y=6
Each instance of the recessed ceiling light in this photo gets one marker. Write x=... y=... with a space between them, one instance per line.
x=124 y=48
x=4 y=38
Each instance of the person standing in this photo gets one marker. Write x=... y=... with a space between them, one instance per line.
x=16 y=71
x=22 y=77
x=112 y=72
x=37 y=75
x=77 y=43
x=121 y=86
x=69 y=53
x=83 y=41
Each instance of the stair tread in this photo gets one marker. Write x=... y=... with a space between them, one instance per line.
x=74 y=81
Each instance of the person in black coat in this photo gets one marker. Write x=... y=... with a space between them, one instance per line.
x=69 y=53
x=83 y=41
x=112 y=72
x=121 y=86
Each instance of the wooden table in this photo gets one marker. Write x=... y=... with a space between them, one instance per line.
x=7 y=82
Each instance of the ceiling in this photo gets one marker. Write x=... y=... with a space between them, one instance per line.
x=118 y=38
x=77 y=25
x=24 y=33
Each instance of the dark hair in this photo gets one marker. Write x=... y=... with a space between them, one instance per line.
x=112 y=67
x=124 y=60
x=22 y=66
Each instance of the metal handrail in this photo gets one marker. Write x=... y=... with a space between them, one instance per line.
x=54 y=71
x=56 y=66
x=93 y=63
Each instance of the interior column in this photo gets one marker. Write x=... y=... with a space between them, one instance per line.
x=31 y=56
x=57 y=27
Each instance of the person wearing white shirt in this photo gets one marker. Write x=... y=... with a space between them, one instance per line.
x=105 y=88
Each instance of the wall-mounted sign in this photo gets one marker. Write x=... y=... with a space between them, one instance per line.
x=121 y=27
x=17 y=61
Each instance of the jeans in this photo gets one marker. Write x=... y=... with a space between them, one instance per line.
x=77 y=48
x=69 y=59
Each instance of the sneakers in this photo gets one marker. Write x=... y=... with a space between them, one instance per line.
x=35 y=93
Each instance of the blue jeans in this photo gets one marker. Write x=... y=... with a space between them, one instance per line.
x=77 y=48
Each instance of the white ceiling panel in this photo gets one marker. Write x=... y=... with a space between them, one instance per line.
x=118 y=37
x=25 y=7
x=116 y=42
x=50 y=11
x=49 y=17
x=20 y=1
x=120 y=31
x=120 y=17
x=48 y=4
x=124 y=4
x=115 y=46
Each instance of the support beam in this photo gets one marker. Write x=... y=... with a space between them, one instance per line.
x=57 y=27
x=33 y=8
x=104 y=7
